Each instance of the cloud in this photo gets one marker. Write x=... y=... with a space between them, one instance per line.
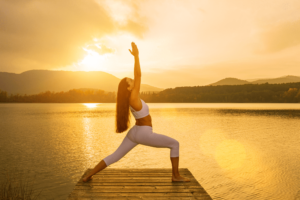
x=100 y=49
x=52 y=33
x=279 y=37
x=136 y=27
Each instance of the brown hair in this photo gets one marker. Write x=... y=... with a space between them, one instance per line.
x=122 y=107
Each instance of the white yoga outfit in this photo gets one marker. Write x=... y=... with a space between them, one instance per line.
x=142 y=135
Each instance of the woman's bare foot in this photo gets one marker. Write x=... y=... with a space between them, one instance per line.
x=179 y=178
x=86 y=178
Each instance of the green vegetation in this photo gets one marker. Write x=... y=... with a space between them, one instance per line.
x=17 y=186
x=249 y=93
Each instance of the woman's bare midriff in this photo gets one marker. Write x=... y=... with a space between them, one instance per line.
x=145 y=121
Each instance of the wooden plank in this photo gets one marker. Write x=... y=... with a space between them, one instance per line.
x=134 y=183
x=109 y=189
x=138 y=174
x=143 y=169
x=133 y=198
x=138 y=183
x=138 y=190
x=201 y=196
x=136 y=177
x=141 y=173
x=141 y=180
x=81 y=187
x=131 y=194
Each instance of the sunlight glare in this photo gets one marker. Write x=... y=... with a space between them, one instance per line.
x=93 y=61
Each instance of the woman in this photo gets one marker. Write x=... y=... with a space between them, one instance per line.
x=141 y=133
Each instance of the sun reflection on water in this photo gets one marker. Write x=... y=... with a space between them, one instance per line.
x=88 y=138
x=91 y=105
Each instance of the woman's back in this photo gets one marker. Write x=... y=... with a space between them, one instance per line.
x=142 y=112
x=142 y=116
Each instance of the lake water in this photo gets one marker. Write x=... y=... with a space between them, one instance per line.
x=235 y=151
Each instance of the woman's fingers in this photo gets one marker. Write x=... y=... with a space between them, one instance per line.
x=133 y=45
x=130 y=51
x=134 y=49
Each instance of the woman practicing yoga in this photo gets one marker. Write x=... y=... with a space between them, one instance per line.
x=141 y=132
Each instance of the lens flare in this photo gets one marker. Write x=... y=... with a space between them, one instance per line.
x=230 y=154
x=209 y=141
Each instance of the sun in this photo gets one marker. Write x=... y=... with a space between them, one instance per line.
x=93 y=61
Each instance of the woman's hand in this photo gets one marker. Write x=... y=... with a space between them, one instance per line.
x=134 y=51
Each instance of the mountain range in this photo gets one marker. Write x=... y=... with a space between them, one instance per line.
x=235 y=81
x=37 y=81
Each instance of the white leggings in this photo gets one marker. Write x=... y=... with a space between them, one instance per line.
x=143 y=135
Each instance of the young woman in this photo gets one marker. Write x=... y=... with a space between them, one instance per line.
x=141 y=132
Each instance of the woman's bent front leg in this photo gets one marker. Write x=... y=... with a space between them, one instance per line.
x=147 y=137
x=175 y=173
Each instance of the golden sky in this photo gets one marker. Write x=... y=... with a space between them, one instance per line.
x=181 y=42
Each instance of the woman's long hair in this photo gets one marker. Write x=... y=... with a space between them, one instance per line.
x=122 y=107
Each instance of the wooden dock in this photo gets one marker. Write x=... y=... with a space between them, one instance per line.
x=138 y=183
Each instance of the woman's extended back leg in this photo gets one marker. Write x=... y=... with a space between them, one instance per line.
x=122 y=150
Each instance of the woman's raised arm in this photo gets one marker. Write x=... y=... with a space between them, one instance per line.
x=137 y=70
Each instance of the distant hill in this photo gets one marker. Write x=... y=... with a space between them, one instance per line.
x=284 y=79
x=36 y=81
x=235 y=81
x=230 y=81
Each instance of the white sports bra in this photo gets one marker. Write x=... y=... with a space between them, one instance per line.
x=141 y=113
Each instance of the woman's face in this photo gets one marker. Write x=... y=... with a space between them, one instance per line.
x=130 y=83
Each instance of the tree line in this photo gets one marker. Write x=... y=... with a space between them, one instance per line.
x=249 y=93
x=71 y=96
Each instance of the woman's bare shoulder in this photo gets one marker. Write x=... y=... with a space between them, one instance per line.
x=135 y=102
